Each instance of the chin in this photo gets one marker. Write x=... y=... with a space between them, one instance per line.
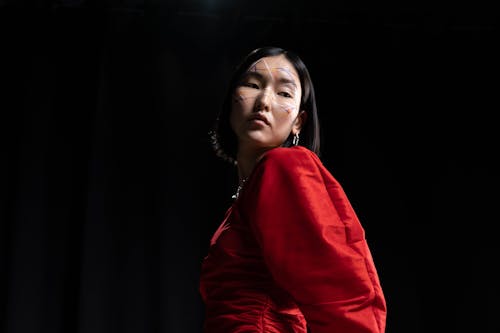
x=260 y=140
x=261 y=144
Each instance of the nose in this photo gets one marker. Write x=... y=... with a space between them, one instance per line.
x=263 y=101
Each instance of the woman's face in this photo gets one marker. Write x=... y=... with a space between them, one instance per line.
x=266 y=101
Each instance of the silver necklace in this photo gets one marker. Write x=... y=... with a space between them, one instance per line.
x=238 y=190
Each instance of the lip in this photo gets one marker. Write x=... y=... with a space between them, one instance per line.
x=259 y=117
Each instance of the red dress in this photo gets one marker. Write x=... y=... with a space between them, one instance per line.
x=291 y=252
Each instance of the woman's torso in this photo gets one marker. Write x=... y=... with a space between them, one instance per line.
x=237 y=289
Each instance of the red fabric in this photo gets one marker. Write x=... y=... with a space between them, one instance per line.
x=291 y=251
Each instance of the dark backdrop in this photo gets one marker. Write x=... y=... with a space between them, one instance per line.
x=109 y=191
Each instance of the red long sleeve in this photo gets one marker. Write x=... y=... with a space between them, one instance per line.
x=313 y=243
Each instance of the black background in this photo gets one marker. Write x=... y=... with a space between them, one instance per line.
x=109 y=191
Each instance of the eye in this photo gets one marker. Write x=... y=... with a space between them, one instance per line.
x=250 y=85
x=285 y=94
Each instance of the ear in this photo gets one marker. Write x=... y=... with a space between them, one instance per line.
x=299 y=122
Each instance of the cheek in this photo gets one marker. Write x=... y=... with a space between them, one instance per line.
x=238 y=109
x=241 y=104
x=237 y=115
x=284 y=121
x=244 y=97
x=285 y=110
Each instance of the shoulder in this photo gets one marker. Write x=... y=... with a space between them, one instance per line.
x=292 y=153
x=291 y=158
x=287 y=169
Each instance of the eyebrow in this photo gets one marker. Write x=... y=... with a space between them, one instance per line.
x=259 y=76
x=288 y=81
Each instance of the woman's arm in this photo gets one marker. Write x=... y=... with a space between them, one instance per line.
x=313 y=243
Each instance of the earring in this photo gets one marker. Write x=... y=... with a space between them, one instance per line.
x=295 y=141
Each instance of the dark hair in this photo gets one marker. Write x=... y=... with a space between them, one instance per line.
x=224 y=140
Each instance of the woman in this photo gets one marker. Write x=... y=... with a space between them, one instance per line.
x=290 y=254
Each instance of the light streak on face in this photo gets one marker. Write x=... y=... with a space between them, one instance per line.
x=278 y=85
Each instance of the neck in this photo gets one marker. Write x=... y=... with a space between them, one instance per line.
x=246 y=162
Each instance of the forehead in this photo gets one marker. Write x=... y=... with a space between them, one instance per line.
x=275 y=66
